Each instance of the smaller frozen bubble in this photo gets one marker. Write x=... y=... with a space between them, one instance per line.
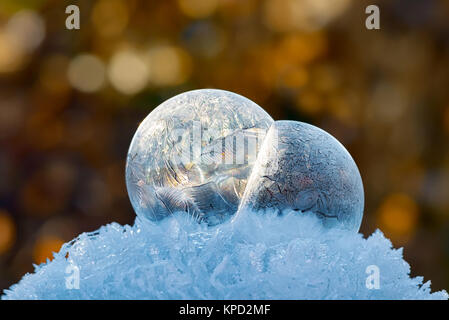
x=303 y=168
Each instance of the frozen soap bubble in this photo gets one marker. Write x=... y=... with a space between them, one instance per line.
x=304 y=168
x=194 y=153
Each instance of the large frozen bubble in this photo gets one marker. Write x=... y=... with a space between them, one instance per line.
x=194 y=153
x=303 y=168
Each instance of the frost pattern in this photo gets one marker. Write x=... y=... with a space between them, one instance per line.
x=304 y=168
x=175 y=161
x=256 y=256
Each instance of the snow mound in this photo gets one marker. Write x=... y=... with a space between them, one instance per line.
x=257 y=256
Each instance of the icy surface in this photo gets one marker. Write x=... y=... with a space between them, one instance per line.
x=304 y=168
x=193 y=153
x=253 y=257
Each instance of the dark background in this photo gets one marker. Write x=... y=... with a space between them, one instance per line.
x=71 y=100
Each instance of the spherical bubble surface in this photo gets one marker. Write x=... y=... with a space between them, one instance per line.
x=194 y=153
x=304 y=168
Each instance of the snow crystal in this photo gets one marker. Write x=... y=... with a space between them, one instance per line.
x=257 y=256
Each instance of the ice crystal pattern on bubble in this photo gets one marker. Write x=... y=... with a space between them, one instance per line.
x=304 y=168
x=193 y=153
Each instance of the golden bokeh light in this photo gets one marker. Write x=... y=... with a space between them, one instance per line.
x=27 y=28
x=326 y=78
x=238 y=8
x=295 y=77
x=198 y=8
x=285 y=63
x=278 y=14
x=340 y=107
x=19 y=37
x=44 y=248
x=169 y=65
x=110 y=17
x=310 y=102
x=128 y=72
x=53 y=74
x=398 y=216
x=12 y=55
x=306 y=15
x=302 y=48
x=7 y=232
x=86 y=73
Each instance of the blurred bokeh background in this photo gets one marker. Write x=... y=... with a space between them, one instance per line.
x=71 y=100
